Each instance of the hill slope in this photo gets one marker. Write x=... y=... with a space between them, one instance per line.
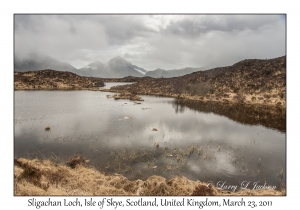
x=53 y=80
x=250 y=81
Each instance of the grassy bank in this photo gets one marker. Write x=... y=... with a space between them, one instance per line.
x=43 y=177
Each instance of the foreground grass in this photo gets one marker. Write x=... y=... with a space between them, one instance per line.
x=43 y=177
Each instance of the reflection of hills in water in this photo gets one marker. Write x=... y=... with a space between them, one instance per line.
x=271 y=117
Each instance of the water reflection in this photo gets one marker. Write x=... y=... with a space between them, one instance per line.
x=118 y=136
x=271 y=117
x=108 y=85
x=179 y=108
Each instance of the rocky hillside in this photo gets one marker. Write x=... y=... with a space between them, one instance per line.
x=250 y=81
x=53 y=80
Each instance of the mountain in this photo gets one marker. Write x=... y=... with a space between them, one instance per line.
x=40 y=62
x=173 y=73
x=91 y=70
x=119 y=67
x=96 y=65
x=115 y=68
x=139 y=69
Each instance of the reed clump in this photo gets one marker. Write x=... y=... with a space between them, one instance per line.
x=203 y=190
x=76 y=160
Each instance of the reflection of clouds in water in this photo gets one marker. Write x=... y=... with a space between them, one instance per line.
x=196 y=168
x=139 y=167
x=165 y=133
x=221 y=164
x=19 y=129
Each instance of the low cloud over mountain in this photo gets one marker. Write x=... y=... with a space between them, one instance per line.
x=115 y=68
x=39 y=62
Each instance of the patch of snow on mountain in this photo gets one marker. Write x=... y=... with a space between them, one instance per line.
x=140 y=71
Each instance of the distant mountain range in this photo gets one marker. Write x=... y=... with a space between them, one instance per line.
x=115 y=68
x=172 y=73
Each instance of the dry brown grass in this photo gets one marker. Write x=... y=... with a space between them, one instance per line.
x=42 y=177
x=130 y=96
x=202 y=190
x=76 y=160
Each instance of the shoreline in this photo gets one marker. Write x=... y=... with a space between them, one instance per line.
x=223 y=101
x=270 y=116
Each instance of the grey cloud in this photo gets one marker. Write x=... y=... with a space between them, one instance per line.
x=62 y=35
x=121 y=29
x=117 y=28
x=130 y=56
x=168 y=42
x=198 y=24
x=218 y=40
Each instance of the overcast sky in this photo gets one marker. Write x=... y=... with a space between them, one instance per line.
x=152 y=41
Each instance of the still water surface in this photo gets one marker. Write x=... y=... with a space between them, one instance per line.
x=118 y=137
